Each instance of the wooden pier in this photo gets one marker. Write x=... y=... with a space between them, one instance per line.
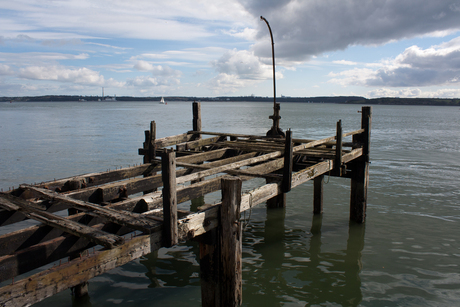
x=117 y=216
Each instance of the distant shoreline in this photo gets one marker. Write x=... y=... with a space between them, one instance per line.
x=321 y=99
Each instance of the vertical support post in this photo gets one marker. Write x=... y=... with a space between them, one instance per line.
x=360 y=171
x=80 y=291
x=318 y=191
x=338 y=149
x=279 y=201
x=209 y=268
x=231 y=282
x=146 y=146
x=151 y=142
x=168 y=171
x=150 y=149
x=287 y=170
x=196 y=106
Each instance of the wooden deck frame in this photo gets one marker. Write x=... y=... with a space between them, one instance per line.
x=124 y=226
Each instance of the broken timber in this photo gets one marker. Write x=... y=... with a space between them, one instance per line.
x=118 y=216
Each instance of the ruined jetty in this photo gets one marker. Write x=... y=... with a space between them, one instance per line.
x=116 y=216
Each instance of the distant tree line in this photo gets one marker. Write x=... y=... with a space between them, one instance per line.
x=321 y=99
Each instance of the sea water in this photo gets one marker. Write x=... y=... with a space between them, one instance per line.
x=406 y=254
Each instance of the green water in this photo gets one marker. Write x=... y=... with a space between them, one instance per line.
x=406 y=254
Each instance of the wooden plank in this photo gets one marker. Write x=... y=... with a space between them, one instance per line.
x=43 y=253
x=169 y=198
x=223 y=168
x=173 y=140
x=197 y=143
x=39 y=286
x=311 y=172
x=96 y=236
x=93 y=179
x=125 y=218
x=253 y=146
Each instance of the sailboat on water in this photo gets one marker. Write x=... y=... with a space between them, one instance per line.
x=162 y=101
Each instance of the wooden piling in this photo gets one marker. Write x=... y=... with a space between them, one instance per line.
x=338 y=150
x=231 y=281
x=196 y=107
x=360 y=170
x=287 y=170
x=318 y=190
x=221 y=263
x=168 y=171
x=279 y=201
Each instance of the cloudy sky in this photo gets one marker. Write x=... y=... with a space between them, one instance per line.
x=372 y=48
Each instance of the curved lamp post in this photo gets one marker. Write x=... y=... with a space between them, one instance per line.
x=275 y=131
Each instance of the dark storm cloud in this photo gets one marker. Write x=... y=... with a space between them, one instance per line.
x=310 y=27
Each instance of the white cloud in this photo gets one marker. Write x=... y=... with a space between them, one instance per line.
x=437 y=65
x=142 y=19
x=245 y=65
x=413 y=93
x=344 y=62
x=5 y=70
x=226 y=83
x=157 y=70
x=305 y=28
x=62 y=74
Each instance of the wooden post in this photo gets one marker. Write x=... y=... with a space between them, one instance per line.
x=196 y=116
x=338 y=150
x=221 y=252
x=287 y=170
x=209 y=268
x=278 y=201
x=360 y=171
x=80 y=291
x=151 y=143
x=318 y=190
x=168 y=171
x=231 y=248
x=150 y=150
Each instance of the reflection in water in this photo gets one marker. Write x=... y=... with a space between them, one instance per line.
x=173 y=267
x=288 y=266
x=281 y=265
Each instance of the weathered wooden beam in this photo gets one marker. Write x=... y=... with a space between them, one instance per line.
x=37 y=287
x=93 y=179
x=173 y=140
x=197 y=143
x=125 y=218
x=261 y=137
x=311 y=172
x=223 y=168
x=253 y=146
x=99 y=237
x=169 y=198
